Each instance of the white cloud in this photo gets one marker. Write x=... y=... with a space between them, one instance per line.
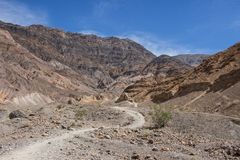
x=104 y=6
x=101 y=7
x=89 y=32
x=158 y=46
x=19 y=13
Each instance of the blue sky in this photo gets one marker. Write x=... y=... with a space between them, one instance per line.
x=162 y=26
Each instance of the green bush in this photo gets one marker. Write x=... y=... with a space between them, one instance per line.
x=80 y=114
x=160 y=116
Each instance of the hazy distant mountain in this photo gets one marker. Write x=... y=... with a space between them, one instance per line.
x=166 y=66
x=191 y=59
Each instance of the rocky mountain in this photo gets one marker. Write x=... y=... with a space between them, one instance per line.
x=54 y=62
x=216 y=77
x=192 y=59
x=58 y=92
x=100 y=59
x=165 y=65
x=160 y=67
x=22 y=73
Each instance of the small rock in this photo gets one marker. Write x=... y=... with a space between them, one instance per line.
x=17 y=114
x=77 y=136
x=92 y=135
x=156 y=135
x=137 y=131
x=101 y=128
x=44 y=134
x=107 y=137
x=135 y=156
x=123 y=135
x=108 y=151
x=49 y=142
x=183 y=142
x=129 y=131
x=57 y=122
x=70 y=129
x=165 y=149
x=24 y=126
x=191 y=144
x=63 y=127
x=154 y=149
x=150 y=141
x=148 y=157
x=191 y=154
x=141 y=142
x=103 y=145
x=70 y=101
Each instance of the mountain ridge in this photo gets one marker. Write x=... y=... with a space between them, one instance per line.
x=101 y=58
x=166 y=66
x=212 y=77
x=192 y=59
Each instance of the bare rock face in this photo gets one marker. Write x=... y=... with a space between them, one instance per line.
x=159 y=68
x=166 y=66
x=123 y=97
x=215 y=75
x=22 y=72
x=58 y=64
x=99 y=59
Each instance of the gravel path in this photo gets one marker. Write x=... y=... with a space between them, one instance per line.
x=46 y=149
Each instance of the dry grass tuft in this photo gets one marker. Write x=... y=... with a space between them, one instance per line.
x=3 y=96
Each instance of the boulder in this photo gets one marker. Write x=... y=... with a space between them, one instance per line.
x=17 y=114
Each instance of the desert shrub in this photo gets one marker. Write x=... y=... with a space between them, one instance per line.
x=99 y=104
x=60 y=106
x=160 y=116
x=80 y=114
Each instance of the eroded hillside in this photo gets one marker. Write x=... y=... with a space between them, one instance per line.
x=100 y=60
x=217 y=74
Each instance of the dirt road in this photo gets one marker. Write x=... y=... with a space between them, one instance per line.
x=46 y=149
